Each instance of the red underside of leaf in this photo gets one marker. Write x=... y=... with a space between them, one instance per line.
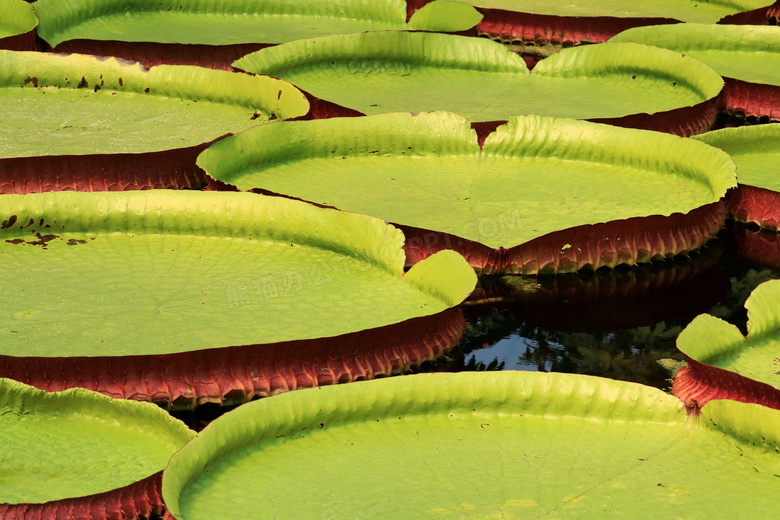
x=685 y=121
x=528 y=29
x=754 y=205
x=150 y=54
x=614 y=300
x=755 y=17
x=20 y=42
x=699 y=383
x=174 y=169
x=758 y=248
x=742 y=99
x=773 y=13
x=237 y=374
x=630 y=241
x=138 y=500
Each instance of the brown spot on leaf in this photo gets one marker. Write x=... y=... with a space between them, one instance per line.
x=16 y=241
x=9 y=222
x=121 y=83
x=43 y=240
x=32 y=221
x=83 y=83
x=31 y=79
x=97 y=87
x=147 y=90
x=75 y=242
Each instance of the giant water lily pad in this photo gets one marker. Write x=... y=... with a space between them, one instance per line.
x=478 y=445
x=401 y=71
x=534 y=178
x=749 y=56
x=756 y=152
x=76 y=450
x=726 y=364
x=683 y=10
x=18 y=20
x=147 y=278
x=98 y=123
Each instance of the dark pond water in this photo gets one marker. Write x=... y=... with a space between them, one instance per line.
x=620 y=323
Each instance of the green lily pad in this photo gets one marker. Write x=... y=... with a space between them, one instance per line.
x=225 y=22
x=160 y=272
x=478 y=445
x=416 y=72
x=745 y=52
x=428 y=171
x=76 y=105
x=708 y=11
x=18 y=18
x=717 y=343
x=63 y=445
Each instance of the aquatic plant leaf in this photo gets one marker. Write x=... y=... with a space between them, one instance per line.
x=415 y=72
x=428 y=171
x=64 y=445
x=480 y=445
x=711 y=342
x=756 y=152
x=685 y=11
x=227 y=23
x=745 y=52
x=18 y=18
x=216 y=23
x=444 y=16
x=78 y=105
x=160 y=272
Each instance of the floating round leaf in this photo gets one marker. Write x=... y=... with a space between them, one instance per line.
x=167 y=31
x=121 y=289
x=747 y=56
x=118 y=112
x=415 y=72
x=724 y=364
x=17 y=25
x=481 y=445
x=75 y=450
x=559 y=194
x=756 y=152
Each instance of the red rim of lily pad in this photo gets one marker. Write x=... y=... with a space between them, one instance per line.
x=141 y=499
x=754 y=205
x=237 y=374
x=151 y=54
x=609 y=300
x=752 y=101
x=21 y=42
x=630 y=241
x=756 y=247
x=168 y=169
